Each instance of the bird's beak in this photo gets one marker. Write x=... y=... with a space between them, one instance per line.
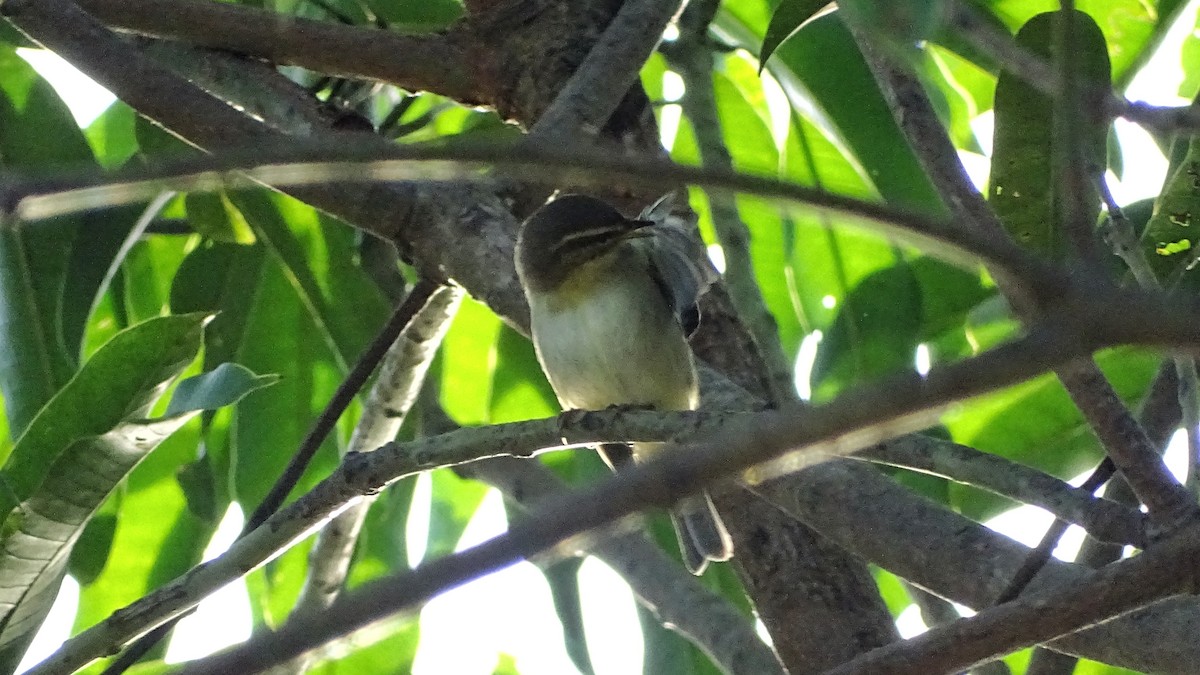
x=639 y=229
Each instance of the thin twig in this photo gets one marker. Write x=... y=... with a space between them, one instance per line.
x=1041 y=554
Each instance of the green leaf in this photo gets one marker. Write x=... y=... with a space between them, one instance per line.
x=468 y=359
x=222 y=386
x=899 y=22
x=90 y=553
x=275 y=587
x=1132 y=28
x=1023 y=188
x=268 y=425
x=321 y=264
x=1035 y=423
x=667 y=652
x=112 y=136
x=520 y=390
x=37 y=350
x=822 y=67
x=156 y=538
x=79 y=447
x=212 y=215
x=118 y=383
x=785 y=21
x=876 y=332
x=1169 y=241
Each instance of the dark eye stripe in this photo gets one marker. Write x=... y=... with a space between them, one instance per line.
x=592 y=237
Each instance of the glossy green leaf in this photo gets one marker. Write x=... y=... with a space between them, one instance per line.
x=520 y=390
x=275 y=587
x=90 y=552
x=821 y=67
x=279 y=337
x=37 y=351
x=149 y=271
x=78 y=448
x=1131 y=27
x=667 y=652
x=788 y=16
x=1023 y=189
x=876 y=332
x=224 y=385
x=118 y=383
x=1189 y=60
x=112 y=136
x=283 y=234
x=156 y=539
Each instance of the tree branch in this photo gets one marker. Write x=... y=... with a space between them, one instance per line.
x=1103 y=519
x=963 y=561
x=434 y=62
x=611 y=67
x=1167 y=569
x=847 y=424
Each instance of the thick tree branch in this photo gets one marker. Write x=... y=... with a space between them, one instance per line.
x=611 y=67
x=436 y=62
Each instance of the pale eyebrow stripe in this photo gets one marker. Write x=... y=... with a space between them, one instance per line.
x=590 y=233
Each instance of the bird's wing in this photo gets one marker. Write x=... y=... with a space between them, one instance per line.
x=679 y=264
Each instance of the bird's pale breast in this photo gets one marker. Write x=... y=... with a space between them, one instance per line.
x=608 y=338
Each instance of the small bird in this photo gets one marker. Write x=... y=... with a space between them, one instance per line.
x=612 y=301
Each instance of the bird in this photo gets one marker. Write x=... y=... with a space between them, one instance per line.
x=612 y=302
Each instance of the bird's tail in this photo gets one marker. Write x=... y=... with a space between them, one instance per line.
x=701 y=534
